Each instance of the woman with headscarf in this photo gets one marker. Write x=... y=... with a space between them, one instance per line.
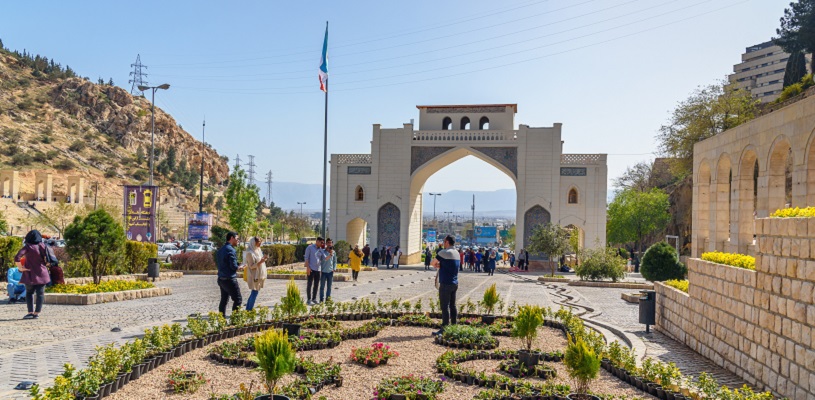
x=35 y=271
x=355 y=257
x=255 y=264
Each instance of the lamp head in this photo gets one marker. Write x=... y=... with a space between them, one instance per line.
x=143 y=88
x=164 y=86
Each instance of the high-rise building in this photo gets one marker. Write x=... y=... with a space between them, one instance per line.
x=761 y=71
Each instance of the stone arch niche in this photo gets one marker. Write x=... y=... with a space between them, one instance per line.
x=10 y=181
x=533 y=218
x=724 y=176
x=702 y=209
x=746 y=194
x=355 y=232
x=779 y=174
x=388 y=225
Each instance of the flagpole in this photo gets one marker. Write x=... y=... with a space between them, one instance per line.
x=325 y=149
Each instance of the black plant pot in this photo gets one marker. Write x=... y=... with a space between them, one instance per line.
x=275 y=397
x=575 y=396
x=487 y=319
x=397 y=397
x=292 y=329
x=105 y=390
x=527 y=358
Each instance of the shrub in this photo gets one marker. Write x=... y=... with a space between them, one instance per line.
x=292 y=303
x=343 y=249
x=731 y=259
x=39 y=156
x=77 y=145
x=9 y=246
x=490 y=299
x=677 y=284
x=526 y=324
x=65 y=165
x=139 y=174
x=300 y=252
x=137 y=254
x=600 y=263
x=661 y=263
x=111 y=173
x=795 y=212
x=194 y=261
x=279 y=254
x=102 y=287
x=581 y=363
x=21 y=159
x=275 y=356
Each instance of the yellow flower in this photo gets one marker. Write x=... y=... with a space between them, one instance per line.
x=734 y=260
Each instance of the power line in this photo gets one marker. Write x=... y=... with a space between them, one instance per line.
x=138 y=76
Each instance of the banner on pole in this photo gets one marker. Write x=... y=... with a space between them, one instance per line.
x=431 y=236
x=140 y=212
x=199 y=226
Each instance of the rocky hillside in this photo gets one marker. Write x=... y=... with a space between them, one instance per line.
x=52 y=121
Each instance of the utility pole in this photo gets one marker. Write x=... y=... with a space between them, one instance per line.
x=301 y=207
x=138 y=76
x=237 y=161
x=434 y=206
x=269 y=188
x=201 y=186
x=251 y=171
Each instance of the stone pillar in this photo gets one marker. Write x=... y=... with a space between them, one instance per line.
x=76 y=189
x=10 y=184
x=43 y=186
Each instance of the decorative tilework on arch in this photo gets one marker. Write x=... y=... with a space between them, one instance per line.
x=388 y=225
x=420 y=155
x=506 y=156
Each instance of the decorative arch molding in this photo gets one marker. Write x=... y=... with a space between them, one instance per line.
x=389 y=220
x=420 y=155
x=572 y=219
x=534 y=216
x=779 y=140
x=723 y=164
x=536 y=200
x=506 y=156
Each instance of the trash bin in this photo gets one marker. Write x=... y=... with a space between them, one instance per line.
x=153 y=268
x=648 y=309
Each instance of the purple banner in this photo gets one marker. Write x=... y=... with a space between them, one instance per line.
x=140 y=213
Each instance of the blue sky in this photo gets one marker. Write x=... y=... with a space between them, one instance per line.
x=609 y=70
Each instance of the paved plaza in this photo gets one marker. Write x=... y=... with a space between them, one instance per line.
x=37 y=349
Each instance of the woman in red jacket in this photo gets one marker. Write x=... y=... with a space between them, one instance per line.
x=35 y=271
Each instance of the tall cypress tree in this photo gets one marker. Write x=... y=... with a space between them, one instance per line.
x=796 y=68
x=797 y=31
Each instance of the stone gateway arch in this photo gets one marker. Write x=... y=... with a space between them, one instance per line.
x=384 y=188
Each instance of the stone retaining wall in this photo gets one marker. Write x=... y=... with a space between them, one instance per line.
x=758 y=324
x=97 y=298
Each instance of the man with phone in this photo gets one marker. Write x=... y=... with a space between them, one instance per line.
x=447 y=262
x=313 y=265
x=228 y=274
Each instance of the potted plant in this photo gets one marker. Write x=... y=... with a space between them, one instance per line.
x=582 y=365
x=198 y=328
x=490 y=299
x=275 y=358
x=525 y=327
x=292 y=305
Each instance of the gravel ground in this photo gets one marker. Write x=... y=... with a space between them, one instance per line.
x=417 y=355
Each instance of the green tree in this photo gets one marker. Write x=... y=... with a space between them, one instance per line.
x=171 y=158
x=632 y=215
x=797 y=31
x=241 y=202
x=637 y=177
x=57 y=216
x=98 y=238
x=661 y=263
x=796 y=68
x=707 y=112
x=140 y=157
x=551 y=240
x=209 y=200
x=3 y=222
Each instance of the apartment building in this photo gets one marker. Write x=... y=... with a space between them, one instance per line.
x=761 y=71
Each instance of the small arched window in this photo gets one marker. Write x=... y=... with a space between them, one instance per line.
x=572 y=196
x=484 y=123
x=465 y=123
x=447 y=124
x=360 y=194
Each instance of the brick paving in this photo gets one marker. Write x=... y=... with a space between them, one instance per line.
x=36 y=350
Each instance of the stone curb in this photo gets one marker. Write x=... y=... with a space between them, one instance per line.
x=129 y=277
x=337 y=278
x=203 y=272
x=618 y=285
x=631 y=297
x=98 y=298
x=557 y=280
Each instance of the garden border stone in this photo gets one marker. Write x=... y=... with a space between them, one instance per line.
x=623 y=285
x=98 y=298
x=128 y=277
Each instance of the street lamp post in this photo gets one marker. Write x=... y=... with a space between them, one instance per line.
x=434 y=204
x=153 y=123
x=301 y=207
x=201 y=186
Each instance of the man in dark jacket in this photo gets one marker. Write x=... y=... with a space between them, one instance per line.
x=366 y=254
x=448 y=262
x=228 y=274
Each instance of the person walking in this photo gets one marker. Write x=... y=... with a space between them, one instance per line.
x=228 y=268
x=366 y=255
x=521 y=259
x=478 y=258
x=447 y=262
x=255 y=263
x=328 y=262
x=34 y=271
x=313 y=267
x=491 y=260
x=396 y=255
x=511 y=259
x=427 y=257
x=461 y=264
x=388 y=256
x=357 y=258
x=375 y=257
x=526 y=260
x=636 y=261
x=472 y=260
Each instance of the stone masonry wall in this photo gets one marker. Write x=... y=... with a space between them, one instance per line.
x=757 y=324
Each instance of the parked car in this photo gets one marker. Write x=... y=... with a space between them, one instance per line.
x=197 y=247
x=167 y=250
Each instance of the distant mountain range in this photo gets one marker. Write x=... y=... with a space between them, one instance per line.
x=493 y=203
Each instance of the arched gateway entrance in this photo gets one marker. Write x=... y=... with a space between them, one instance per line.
x=568 y=189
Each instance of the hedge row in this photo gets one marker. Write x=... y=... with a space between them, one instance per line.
x=194 y=261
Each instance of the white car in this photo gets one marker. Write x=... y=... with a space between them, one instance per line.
x=197 y=247
x=166 y=251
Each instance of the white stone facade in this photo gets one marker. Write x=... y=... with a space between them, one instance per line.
x=384 y=188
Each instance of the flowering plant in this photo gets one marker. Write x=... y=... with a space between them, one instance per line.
x=409 y=386
x=182 y=381
x=378 y=353
x=731 y=259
